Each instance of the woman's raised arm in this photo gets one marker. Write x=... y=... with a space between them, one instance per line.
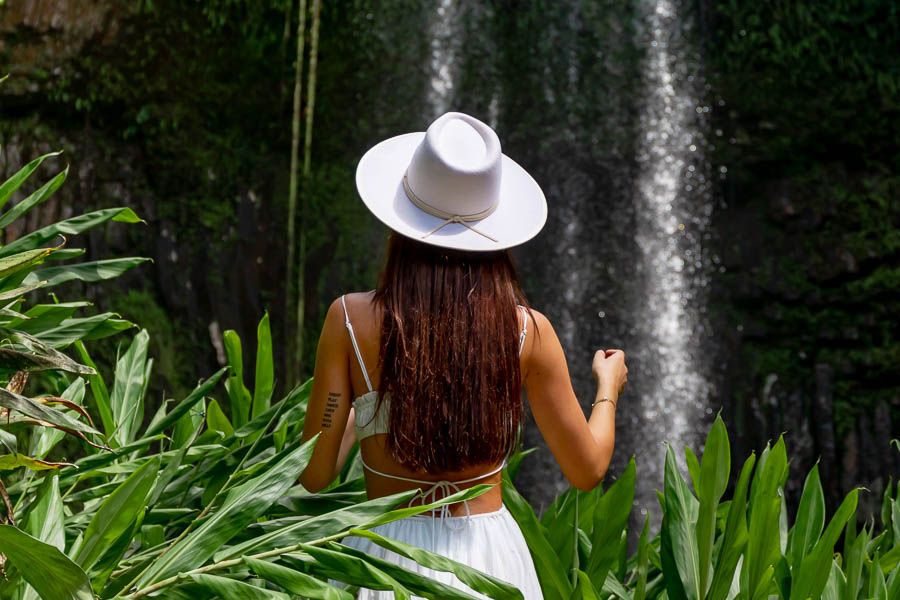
x=582 y=447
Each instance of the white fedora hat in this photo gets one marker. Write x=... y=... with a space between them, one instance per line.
x=451 y=186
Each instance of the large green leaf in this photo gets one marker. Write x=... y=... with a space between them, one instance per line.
x=127 y=398
x=551 y=574
x=46 y=521
x=92 y=327
x=41 y=412
x=241 y=507
x=350 y=569
x=264 y=380
x=9 y=462
x=99 y=391
x=854 y=558
x=877 y=586
x=48 y=570
x=416 y=583
x=642 y=562
x=72 y=226
x=714 y=472
x=41 y=317
x=35 y=199
x=238 y=394
x=45 y=439
x=88 y=272
x=15 y=182
x=296 y=582
x=584 y=589
x=45 y=517
x=763 y=544
x=734 y=539
x=24 y=352
x=478 y=581
x=810 y=519
x=319 y=526
x=185 y=405
x=409 y=511
x=23 y=260
x=610 y=518
x=20 y=291
x=172 y=467
x=117 y=514
x=215 y=586
x=809 y=580
x=569 y=524
x=216 y=419
x=680 y=522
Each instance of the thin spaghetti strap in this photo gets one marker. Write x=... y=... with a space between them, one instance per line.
x=524 y=328
x=362 y=365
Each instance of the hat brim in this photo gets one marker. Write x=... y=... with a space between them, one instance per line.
x=520 y=214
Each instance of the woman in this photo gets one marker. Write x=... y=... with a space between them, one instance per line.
x=427 y=370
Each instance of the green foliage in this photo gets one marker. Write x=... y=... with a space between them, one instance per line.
x=193 y=518
x=833 y=59
x=161 y=509
x=707 y=549
x=808 y=130
x=32 y=337
x=215 y=510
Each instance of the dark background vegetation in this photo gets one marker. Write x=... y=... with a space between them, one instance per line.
x=182 y=110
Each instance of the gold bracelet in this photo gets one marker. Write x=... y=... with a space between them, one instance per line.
x=605 y=399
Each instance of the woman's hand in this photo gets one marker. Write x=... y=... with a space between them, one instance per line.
x=609 y=370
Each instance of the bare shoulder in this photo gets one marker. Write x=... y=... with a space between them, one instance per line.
x=357 y=303
x=541 y=344
x=362 y=312
x=540 y=325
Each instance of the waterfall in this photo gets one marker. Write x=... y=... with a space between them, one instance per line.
x=673 y=206
x=443 y=59
x=618 y=145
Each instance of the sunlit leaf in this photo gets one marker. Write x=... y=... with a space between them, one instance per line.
x=242 y=505
x=8 y=187
x=48 y=570
x=116 y=515
x=39 y=196
x=296 y=582
x=69 y=227
x=264 y=380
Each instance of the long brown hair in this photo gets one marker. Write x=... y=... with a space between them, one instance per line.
x=449 y=354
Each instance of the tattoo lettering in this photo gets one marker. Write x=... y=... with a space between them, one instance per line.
x=331 y=406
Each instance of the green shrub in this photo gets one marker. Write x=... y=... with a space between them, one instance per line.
x=199 y=501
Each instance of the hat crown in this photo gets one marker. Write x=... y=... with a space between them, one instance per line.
x=456 y=169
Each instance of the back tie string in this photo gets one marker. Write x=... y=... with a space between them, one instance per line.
x=430 y=496
x=448 y=217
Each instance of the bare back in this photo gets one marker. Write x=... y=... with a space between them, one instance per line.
x=339 y=380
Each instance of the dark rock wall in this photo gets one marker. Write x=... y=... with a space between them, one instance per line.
x=809 y=235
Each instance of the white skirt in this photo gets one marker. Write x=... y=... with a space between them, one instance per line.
x=490 y=542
